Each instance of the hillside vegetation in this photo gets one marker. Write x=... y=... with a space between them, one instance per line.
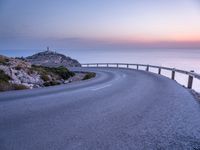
x=18 y=73
x=5 y=85
x=52 y=76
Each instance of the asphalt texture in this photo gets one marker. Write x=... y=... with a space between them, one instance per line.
x=119 y=109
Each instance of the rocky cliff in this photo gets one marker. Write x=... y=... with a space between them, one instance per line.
x=19 y=74
x=52 y=59
x=43 y=69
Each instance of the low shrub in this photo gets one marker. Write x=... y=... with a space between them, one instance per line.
x=5 y=86
x=19 y=87
x=89 y=75
x=51 y=83
x=18 y=67
x=59 y=72
x=4 y=61
x=63 y=72
x=4 y=77
x=30 y=71
x=45 y=77
x=41 y=70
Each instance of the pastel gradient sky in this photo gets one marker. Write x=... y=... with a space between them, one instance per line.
x=97 y=24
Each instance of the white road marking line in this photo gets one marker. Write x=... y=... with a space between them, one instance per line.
x=95 y=89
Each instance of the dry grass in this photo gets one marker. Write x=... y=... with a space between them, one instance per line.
x=4 y=86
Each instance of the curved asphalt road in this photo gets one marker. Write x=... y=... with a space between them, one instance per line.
x=120 y=109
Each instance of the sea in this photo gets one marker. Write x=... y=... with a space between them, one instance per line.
x=185 y=59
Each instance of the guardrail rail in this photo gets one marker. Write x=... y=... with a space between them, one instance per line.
x=191 y=74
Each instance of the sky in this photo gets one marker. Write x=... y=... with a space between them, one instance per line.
x=99 y=24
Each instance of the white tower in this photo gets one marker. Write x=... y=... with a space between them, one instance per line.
x=48 y=49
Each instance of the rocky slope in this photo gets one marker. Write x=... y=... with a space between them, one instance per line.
x=43 y=69
x=52 y=59
x=19 y=72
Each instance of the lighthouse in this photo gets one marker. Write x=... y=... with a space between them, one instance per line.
x=48 y=49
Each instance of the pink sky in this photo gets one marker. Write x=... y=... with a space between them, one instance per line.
x=158 y=23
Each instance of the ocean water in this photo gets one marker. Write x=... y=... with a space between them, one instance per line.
x=185 y=59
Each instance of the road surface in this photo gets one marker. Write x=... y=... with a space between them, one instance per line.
x=120 y=109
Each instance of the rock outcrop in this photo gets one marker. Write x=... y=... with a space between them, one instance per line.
x=52 y=59
x=20 y=72
x=42 y=69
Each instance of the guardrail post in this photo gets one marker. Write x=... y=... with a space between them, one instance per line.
x=159 y=70
x=107 y=65
x=117 y=65
x=97 y=65
x=127 y=65
x=173 y=74
x=137 y=67
x=147 y=69
x=190 y=81
x=87 y=65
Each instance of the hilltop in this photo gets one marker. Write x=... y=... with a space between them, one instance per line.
x=52 y=59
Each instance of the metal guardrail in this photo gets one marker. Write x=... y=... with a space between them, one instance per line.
x=191 y=74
